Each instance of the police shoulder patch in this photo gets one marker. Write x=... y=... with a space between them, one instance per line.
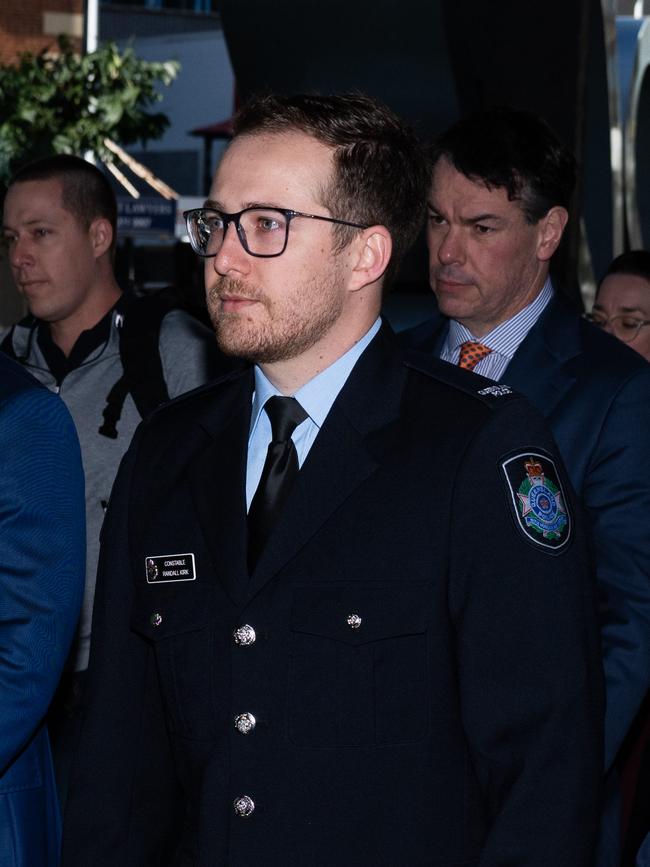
x=539 y=504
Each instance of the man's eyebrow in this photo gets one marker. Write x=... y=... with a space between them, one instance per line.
x=217 y=206
x=481 y=218
x=635 y=309
x=469 y=221
x=623 y=309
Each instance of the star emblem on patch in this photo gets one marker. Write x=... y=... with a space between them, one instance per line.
x=538 y=500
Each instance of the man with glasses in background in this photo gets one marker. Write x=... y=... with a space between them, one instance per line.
x=345 y=611
x=496 y=216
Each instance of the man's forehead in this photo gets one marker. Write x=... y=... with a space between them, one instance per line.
x=32 y=196
x=269 y=167
x=451 y=188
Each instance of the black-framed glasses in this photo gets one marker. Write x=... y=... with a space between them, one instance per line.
x=623 y=326
x=262 y=232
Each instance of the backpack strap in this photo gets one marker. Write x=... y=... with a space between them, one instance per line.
x=140 y=352
x=142 y=377
x=113 y=409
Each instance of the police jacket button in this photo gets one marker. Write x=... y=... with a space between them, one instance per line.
x=353 y=621
x=244 y=806
x=156 y=618
x=244 y=635
x=245 y=723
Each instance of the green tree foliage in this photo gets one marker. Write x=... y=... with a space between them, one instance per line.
x=66 y=103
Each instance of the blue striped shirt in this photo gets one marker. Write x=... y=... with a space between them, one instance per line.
x=503 y=340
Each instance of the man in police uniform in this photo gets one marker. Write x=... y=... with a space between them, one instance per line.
x=392 y=658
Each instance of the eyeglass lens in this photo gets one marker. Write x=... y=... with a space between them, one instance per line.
x=625 y=328
x=262 y=231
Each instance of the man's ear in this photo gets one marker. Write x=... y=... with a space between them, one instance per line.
x=372 y=250
x=551 y=228
x=101 y=236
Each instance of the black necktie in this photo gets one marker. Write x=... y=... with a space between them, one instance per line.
x=280 y=469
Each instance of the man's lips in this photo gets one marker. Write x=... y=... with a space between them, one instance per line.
x=25 y=285
x=450 y=283
x=233 y=303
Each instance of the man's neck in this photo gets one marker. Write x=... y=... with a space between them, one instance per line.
x=65 y=332
x=291 y=374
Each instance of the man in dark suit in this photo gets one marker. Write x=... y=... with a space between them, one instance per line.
x=344 y=610
x=496 y=216
x=41 y=585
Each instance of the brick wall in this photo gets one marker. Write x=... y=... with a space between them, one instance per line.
x=32 y=25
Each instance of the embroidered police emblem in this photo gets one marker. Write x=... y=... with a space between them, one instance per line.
x=538 y=500
x=165 y=568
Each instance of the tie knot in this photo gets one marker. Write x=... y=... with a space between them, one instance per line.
x=285 y=414
x=471 y=352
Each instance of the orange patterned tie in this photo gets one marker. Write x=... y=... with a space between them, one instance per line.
x=471 y=352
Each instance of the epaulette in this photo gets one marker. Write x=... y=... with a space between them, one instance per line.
x=479 y=387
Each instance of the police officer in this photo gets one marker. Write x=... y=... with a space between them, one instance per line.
x=345 y=603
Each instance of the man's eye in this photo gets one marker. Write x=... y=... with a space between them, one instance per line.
x=482 y=230
x=436 y=219
x=268 y=224
x=629 y=323
x=41 y=232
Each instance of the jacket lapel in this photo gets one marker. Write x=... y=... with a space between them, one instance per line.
x=218 y=483
x=541 y=366
x=358 y=432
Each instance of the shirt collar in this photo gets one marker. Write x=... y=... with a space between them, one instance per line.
x=506 y=337
x=86 y=343
x=316 y=396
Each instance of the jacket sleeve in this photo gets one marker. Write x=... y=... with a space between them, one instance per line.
x=123 y=762
x=43 y=558
x=528 y=653
x=617 y=497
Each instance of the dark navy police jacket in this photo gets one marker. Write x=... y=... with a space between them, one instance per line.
x=422 y=664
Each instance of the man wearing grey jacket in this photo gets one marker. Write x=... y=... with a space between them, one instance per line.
x=59 y=224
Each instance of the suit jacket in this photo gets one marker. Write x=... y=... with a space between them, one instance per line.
x=41 y=584
x=595 y=394
x=422 y=670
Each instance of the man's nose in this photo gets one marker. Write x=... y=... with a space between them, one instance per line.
x=231 y=255
x=451 y=249
x=20 y=252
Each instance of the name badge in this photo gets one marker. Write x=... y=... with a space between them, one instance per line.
x=169 y=567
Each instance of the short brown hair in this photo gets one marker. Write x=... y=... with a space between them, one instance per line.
x=87 y=194
x=380 y=175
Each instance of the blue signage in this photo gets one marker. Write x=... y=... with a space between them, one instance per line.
x=148 y=215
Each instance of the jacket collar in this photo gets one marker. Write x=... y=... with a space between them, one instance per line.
x=357 y=435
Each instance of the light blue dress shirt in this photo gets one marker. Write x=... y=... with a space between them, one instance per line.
x=503 y=340
x=316 y=397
